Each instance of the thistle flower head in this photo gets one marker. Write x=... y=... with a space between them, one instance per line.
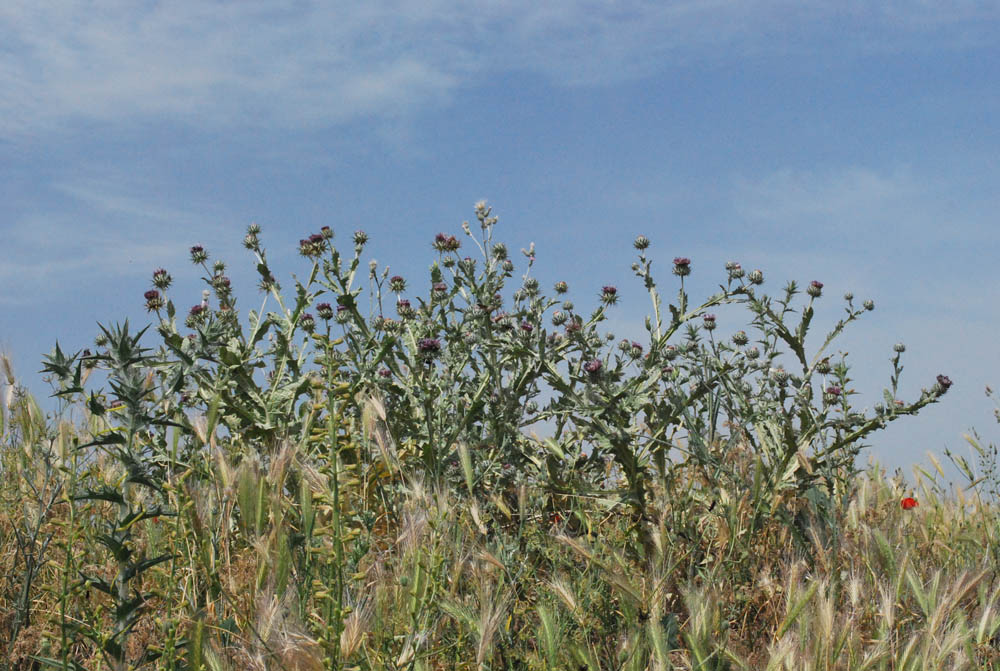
x=397 y=284
x=161 y=279
x=708 y=322
x=740 y=338
x=360 y=238
x=641 y=243
x=756 y=277
x=153 y=300
x=943 y=384
x=609 y=295
x=325 y=311
x=313 y=246
x=899 y=348
x=429 y=346
x=446 y=243
x=815 y=289
x=326 y=232
x=868 y=305
x=682 y=266
x=198 y=254
x=308 y=323
x=593 y=367
x=561 y=287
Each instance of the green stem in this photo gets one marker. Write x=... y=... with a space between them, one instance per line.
x=338 y=541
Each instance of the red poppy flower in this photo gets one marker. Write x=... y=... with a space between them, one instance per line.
x=908 y=503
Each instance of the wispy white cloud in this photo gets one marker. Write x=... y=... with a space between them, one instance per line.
x=315 y=64
x=101 y=230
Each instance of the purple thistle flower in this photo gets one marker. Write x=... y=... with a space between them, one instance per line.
x=944 y=382
x=593 y=366
x=833 y=390
x=153 y=300
x=429 y=345
x=682 y=266
x=198 y=254
x=815 y=289
x=161 y=279
x=446 y=243
x=324 y=310
x=609 y=295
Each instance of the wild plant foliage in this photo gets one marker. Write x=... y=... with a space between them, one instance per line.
x=357 y=457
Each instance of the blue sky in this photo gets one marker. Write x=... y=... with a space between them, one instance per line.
x=851 y=143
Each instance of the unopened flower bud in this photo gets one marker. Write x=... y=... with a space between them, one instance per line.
x=360 y=238
x=752 y=353
x=641 y=243
x=869 y=305
x=499 y=251
x=756 y=277
x=740 y=338
x=899 y=348
x=558 y=318
x=561 y=287
x=508 y=266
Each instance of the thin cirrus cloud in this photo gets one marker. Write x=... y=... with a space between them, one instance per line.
x=315 y=64
x=96 y=231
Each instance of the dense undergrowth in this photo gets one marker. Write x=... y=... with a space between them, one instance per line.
x=482 y=480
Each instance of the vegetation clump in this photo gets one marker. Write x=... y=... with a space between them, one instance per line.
x=360 y=477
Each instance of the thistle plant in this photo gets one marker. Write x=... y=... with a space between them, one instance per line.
x=350 y=476
x=135 y=494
